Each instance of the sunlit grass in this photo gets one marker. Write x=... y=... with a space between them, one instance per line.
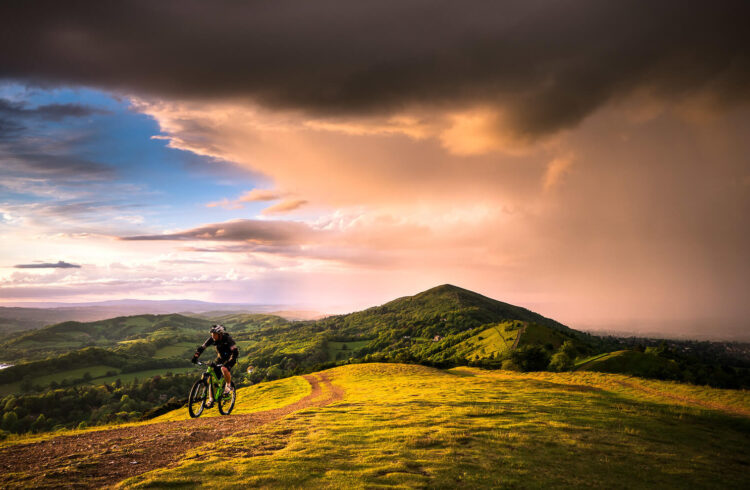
x=494 y=340
x=412 y=426
x=264 y=396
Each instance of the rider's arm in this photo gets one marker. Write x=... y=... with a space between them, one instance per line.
x=234 y=353
x=201 y=348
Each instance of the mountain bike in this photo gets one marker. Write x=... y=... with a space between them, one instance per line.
x=207 y=387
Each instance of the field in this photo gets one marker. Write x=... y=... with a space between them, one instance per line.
x=492 y=341
x=343 y=350
x=412 y=426
x=98 y=376
x=185 y=349
x=406 y=426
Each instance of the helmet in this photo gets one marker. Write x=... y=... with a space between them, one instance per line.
x=218 y=328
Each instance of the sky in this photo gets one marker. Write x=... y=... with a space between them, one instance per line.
x=587 y=160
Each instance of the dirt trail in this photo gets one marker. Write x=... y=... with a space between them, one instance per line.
x=518 y=337
x=103 y=458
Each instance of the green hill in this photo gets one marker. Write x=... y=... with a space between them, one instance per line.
x=73 y=353
x=446 y=324
x=442 y=310
x=115 y=332
x=407 y=426
x=647 y=365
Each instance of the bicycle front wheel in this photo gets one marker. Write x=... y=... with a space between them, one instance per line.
x=226 y=401
x=197 y=398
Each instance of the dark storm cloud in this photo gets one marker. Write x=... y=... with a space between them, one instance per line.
x=49 y=112
x=59 y=265
x=26 y=151
x=548 y=63
x=65 y=167
x=252 y=231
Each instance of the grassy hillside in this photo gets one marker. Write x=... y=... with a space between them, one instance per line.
x=413 y=426
x=125 y=348
x=442 y=310
x=631 y=362
x=115 y=332
x=445 y=326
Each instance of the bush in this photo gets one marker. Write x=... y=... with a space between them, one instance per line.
x=560 y=362
x=509 y=365
x=531 y=358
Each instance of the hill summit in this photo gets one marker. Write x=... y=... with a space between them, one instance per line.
x=448 y=297
x=446 y=325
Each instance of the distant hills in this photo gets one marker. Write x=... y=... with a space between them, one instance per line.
x=37 y=315
x=445 y=326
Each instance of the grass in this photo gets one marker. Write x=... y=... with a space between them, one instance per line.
x=185 y=349
x=494 y=340
x=584 y=362
x=630 y=362
x=244 y=344
x=540 y=335
x=264 y=396
x=334 y=348
x=410 y=426
x=97 y=371
x=143 y=375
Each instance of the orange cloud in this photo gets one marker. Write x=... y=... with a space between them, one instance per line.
x=260 y=195
x=284 y=206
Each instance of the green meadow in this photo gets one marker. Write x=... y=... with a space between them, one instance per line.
x=493 y=341
x=407 y=426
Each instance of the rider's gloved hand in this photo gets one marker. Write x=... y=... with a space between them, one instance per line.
x=194 y=360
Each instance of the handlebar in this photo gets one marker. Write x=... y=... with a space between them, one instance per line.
x=212 y=364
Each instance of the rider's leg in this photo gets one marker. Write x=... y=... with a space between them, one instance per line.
x=227 y=379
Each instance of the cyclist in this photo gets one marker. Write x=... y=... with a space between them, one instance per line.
x=227 y=353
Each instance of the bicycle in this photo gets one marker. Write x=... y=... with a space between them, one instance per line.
x=210 y=383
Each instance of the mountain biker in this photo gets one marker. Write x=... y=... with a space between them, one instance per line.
x=227 y=353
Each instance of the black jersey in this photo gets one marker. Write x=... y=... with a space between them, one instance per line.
x=225 y=347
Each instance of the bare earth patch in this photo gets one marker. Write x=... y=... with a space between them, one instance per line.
x=102 y=458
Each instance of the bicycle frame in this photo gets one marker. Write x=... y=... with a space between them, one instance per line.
x=214 y=382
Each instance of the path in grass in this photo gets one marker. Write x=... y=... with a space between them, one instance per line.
x=105 y=457
x=518 y=337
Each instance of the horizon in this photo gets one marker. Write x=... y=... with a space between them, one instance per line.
x=307 y=160
x=646 y=328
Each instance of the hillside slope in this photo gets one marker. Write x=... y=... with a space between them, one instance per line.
x=373 y=425
x=68 y=336
x=442 y=310
x=425 y=328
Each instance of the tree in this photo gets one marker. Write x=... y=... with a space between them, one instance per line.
x=531 y=358
x=39 y=424
x=569 y=349
x=10 y=422
x=560 y=362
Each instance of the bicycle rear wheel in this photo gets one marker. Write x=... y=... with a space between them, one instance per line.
x=197 y=398
x=226 y=402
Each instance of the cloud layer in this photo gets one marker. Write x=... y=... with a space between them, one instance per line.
x=547 y=64
x=45 y=265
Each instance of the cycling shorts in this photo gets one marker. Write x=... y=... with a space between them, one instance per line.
x=229 y=365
